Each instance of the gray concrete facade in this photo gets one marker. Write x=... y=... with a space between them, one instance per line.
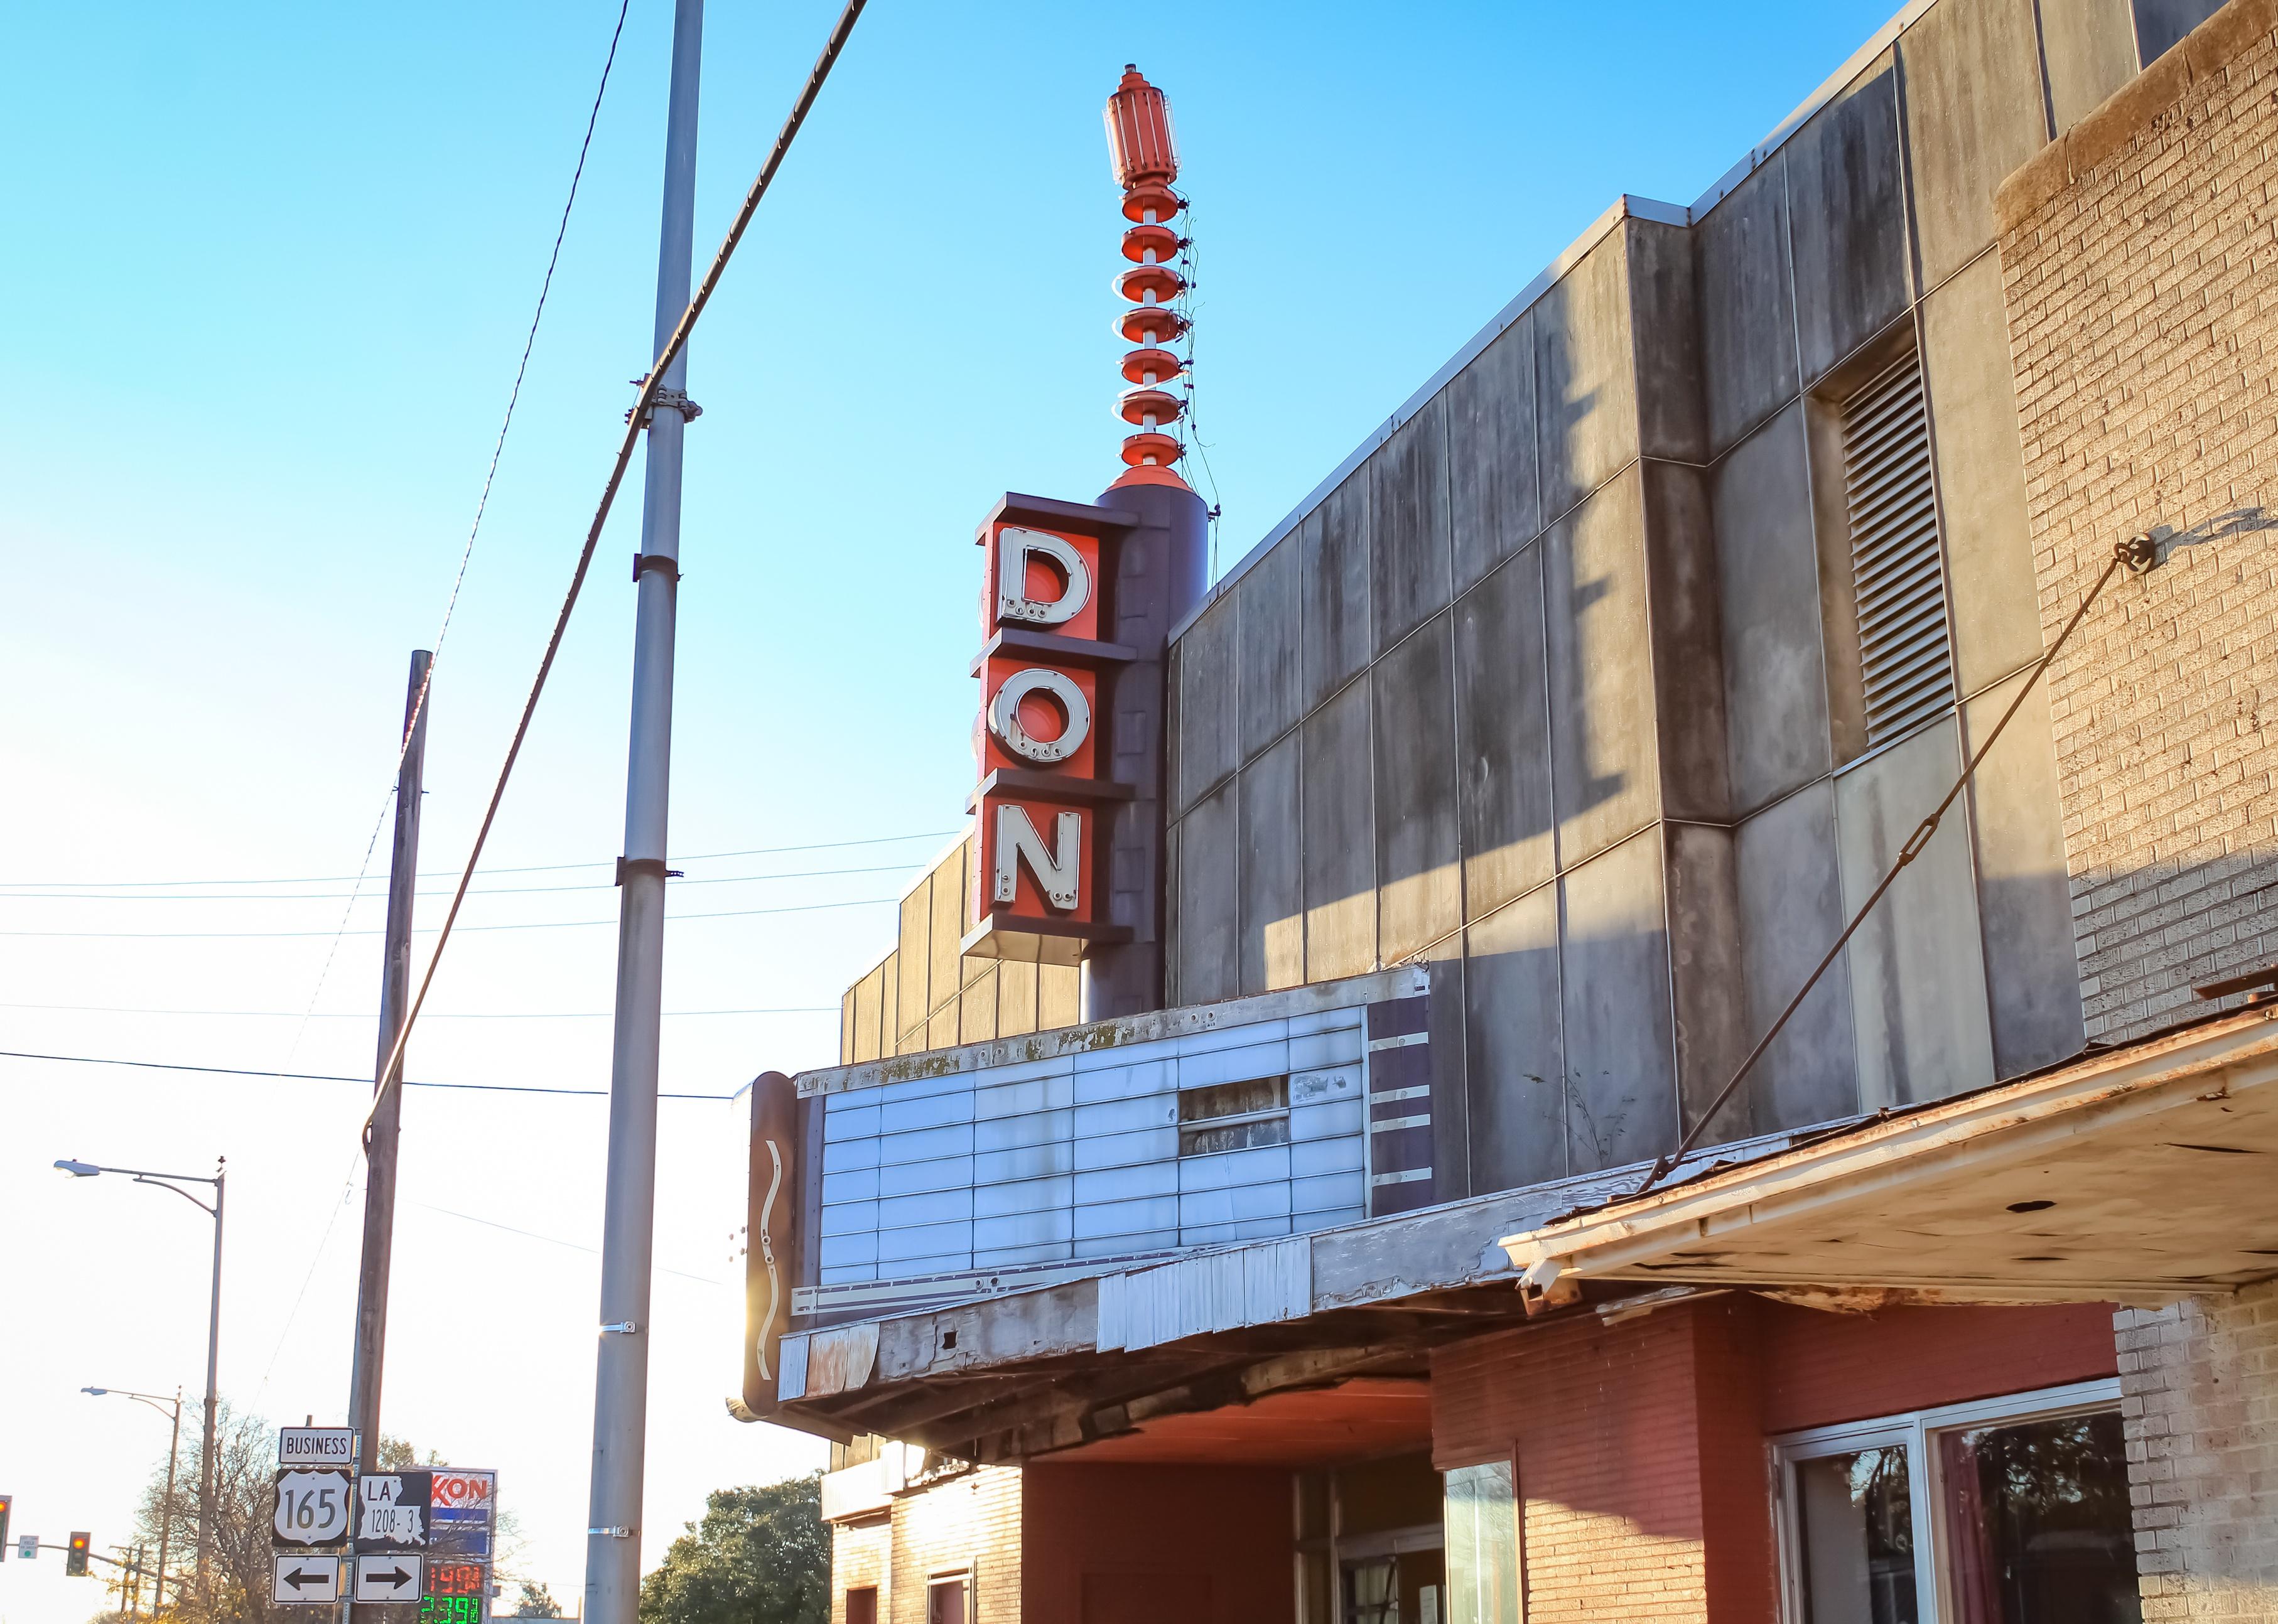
x=1555 y=685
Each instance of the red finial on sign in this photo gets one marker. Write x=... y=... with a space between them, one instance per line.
x=1144 y=154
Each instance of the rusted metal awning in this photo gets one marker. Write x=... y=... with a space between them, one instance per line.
x=2141 y=1175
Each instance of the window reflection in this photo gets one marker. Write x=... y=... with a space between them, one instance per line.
x=1482 y=1516
x=1856 y=1513
x=2037 y=1522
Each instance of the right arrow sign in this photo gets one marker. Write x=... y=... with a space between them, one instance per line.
x=387 y=1578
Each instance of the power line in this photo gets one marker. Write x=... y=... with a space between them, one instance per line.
x=12 y=886
x=482 y=505
x=325 y=1077
x=636 y=425
x=555 y=1240
x=494 y=890
x=458 y=1015
x=244 y=935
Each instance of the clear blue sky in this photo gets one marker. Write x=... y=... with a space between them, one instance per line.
x=268 y=273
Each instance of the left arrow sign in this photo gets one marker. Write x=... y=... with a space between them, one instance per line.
x=309 y=1579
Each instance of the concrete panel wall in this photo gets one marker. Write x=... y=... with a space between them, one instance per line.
x=1973 y=113
x=1494 y=499
x=1503 y=728
x=1604 y=771
x=1585 y=385
x=1268 y=612
x=1747 y=306
x=1767 y=579
x=1703 y=915
x=1210 y=734
x=1687 y=646
x=1273 y=876
x=1408 y=525
x=1418 y=876
x=1332 y=552
x=1917 y=965
x=1846 y=217
x=2024 y=895
x=1995 y=608
x=1512 y=1029
x=2089 y=47
x=1791 y=903
x=1620 y=1061
x=1340 y=860
x=1204 y=962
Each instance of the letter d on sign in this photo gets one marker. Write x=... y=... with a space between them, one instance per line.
x=1015 y=547
x=1056 y=870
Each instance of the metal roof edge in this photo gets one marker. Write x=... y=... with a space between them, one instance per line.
x=2161 y=1063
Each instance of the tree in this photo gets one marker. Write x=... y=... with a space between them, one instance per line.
x=536 y=1603
x=760 y=1556
x=238 y=1576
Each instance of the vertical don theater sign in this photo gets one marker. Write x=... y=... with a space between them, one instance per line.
x=1045 y=736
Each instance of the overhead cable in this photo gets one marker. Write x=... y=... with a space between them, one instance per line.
x=636 y=425
x=419 y=706
x=15 y=887
x=244 y=935
x=325 y=1077
x=493 y=890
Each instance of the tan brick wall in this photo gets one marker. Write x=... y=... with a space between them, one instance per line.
x=2140 y=255
x=970 y=1521
x=2200 y=1386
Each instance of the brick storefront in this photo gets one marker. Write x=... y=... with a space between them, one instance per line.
x=2142 y=280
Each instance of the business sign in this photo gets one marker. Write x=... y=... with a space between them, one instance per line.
x=333 y=1447
x=1047 y=680
x=392 y=1511
x=301 y=1577
x=460 y=1508
x=313 y=1508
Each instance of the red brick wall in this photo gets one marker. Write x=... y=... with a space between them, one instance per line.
x=1157 y=1539
x=1605 y=1424
x=1641 y=1444
x=1820 y=1367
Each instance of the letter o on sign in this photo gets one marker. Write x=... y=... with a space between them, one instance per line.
x=1004 y=716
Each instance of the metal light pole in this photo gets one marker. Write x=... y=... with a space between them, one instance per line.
x=174 y=1182
x=621 y=1376
x=173 y=1449
x=380 y=1139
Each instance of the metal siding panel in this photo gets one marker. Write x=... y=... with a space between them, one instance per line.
x=1326 y=1155
x=848 y=1217
x=1314 y=1051
x=1328 y=1121
x=925 y=1145
x=860 y=1184
x=1233 y=1065
x=1123 y=1149
x=1125 y=1115
x=1126 y=1218
x=1012 y=1257
x=947 y=1173
x=1053 y=1228
x=933 y=1111
x=1043 y=1093
x=995 y=1199
x=1051 y=1158
x=1120 y=1184
x=1237 y=1035
x=932 y=1207
x=1017 y=1133
x=1125 y=1246
x=841 y=1250
x=1325 y=1087
x=1327 y=1192
x=852 y=1154
x=1233 y=1167
x=926 y=1241
x=1153 y=1077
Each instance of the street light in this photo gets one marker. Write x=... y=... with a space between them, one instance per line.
x=166 y=1514
x=174 y=1182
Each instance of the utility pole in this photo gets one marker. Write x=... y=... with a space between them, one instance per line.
x=387 y=1115
x=620 y=1376
x=379 y=1143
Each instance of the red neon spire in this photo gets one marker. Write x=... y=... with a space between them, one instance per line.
x=1143 y=152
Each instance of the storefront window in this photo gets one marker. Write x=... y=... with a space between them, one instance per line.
x=2037 y=1522
x=1855 y=1519
x=2009 y=1511
x=1482 y=1514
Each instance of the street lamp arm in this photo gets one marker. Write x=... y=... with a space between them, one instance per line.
x=144 y=1172
x=161 y=1181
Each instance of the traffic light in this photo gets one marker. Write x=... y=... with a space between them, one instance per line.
x=75 y=1555
x=7 y=1505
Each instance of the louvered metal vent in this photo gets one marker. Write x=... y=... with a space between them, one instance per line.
x=1895 y=570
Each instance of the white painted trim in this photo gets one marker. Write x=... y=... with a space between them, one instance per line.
x=1406 y=1040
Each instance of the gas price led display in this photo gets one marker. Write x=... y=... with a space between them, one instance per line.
x=455 y=1593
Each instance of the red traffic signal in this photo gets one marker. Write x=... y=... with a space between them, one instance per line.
x=75 y=1555
x=7 y=1505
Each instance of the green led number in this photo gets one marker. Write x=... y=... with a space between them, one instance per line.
x=450 y=1610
